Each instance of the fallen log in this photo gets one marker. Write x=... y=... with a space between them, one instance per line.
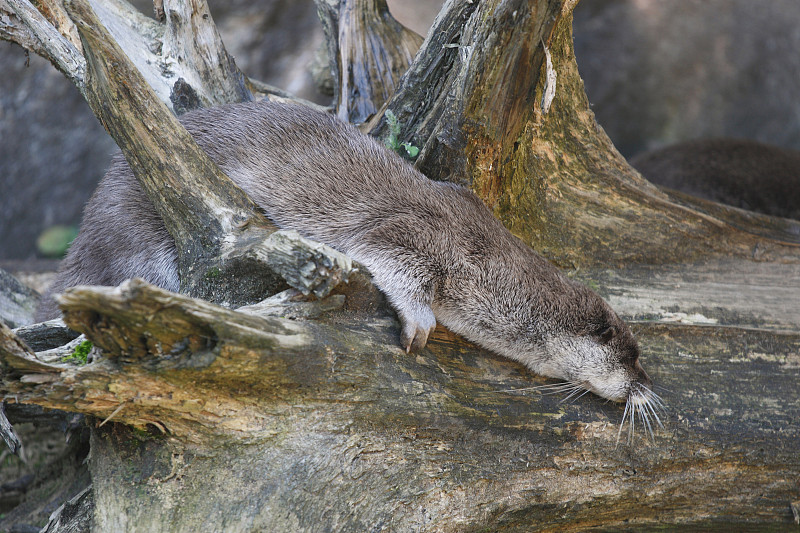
x=328 y=421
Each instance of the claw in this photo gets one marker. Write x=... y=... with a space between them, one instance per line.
x=414 y=336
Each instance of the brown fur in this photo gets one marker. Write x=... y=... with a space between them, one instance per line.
x=433 y=248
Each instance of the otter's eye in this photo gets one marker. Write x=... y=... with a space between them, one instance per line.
x=606 y=333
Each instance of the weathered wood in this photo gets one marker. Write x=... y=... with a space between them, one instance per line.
x=308 y=266
x=368 y=51
x=292 y=424
x=45 y=335
x=214 y=224
x=716 y=292
x=17 y=302
x=330 y=422
x=161 y=50
x=12 y=345
x=157 y=331
x=22 y=23
x=50 y=467
x=7 y=432
x=191 y=38
x=479 y=58
x=74 y=516
x=177 y=66
x=203 y=210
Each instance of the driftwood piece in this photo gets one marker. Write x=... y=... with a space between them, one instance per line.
x=308 y=266
x=45 y=335
x=178 y=55
x=246 y=423
x=74 y=516
x=184 y=69
x=210 y=218
x=22 y=23
x=474 y=50
x=50 y=467
x=17 y=302
x=219 y=232
x=714 y=292
x=7 y=431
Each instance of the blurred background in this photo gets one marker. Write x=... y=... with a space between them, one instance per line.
x=656 y=72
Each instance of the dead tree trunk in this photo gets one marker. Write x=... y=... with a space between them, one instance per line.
x=473 y=102
x=321 y=421
x=368 y=51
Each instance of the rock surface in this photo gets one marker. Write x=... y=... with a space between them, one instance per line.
x=17 y=302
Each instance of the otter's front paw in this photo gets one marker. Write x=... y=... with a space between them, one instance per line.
x=416 y=328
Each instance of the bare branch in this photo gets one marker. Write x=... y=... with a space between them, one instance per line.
x=182 y=53
x=31 y=30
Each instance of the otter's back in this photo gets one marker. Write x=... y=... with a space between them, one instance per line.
x=307 y=170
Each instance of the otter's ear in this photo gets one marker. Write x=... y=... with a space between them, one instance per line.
x=606 y=333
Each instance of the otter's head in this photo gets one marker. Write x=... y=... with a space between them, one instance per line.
x=588 y=346
x=575 y=336
x=598 y=353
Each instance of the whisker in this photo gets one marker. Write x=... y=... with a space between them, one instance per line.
x=550 y=388
x=653 y=402
x=642 y=403
x=649 y=405
x=585 y=391
x=661 y=387
x=569 y=396
x=645 y=416
x=632 y=423
x=574 y=395
x=569 y=390
x=658 y=402
x=652 y=395
x=658 y=405
x=556 y=386
x=622 y=423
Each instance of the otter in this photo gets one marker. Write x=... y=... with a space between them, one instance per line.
x=433 y=248
x=738 y=172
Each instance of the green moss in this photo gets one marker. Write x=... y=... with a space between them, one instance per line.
x=392 y=142
x=213 y=273
x=80 y=355
x=143 y=435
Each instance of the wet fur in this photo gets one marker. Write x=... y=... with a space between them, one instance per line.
x=433 y=248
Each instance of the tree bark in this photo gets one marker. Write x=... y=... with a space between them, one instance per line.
x=180 y=54
x=368 y=51
x=35 y=30
x=215 y=225
x=301 y=424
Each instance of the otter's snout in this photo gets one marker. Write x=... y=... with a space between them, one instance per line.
x=641 y=375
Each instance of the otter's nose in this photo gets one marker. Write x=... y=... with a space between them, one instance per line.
x=641 y=375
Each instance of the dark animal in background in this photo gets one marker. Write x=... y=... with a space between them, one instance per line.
x=742 y=173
